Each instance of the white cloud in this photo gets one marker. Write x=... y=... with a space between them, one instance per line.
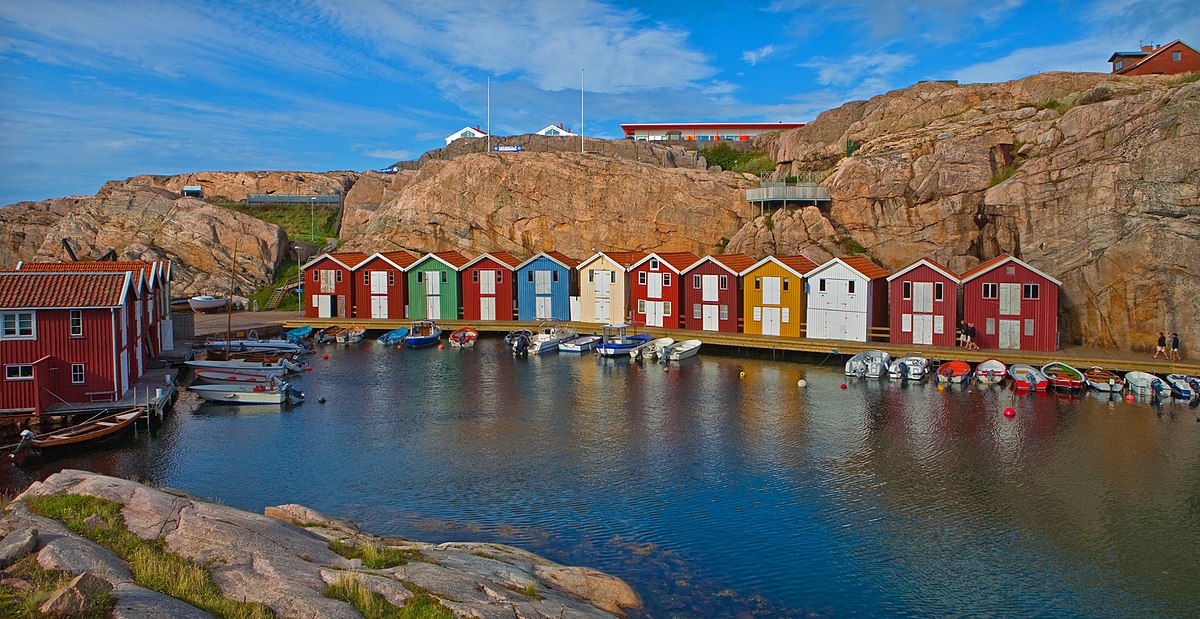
x=754 y=55
x=392 y=155
x=858 y=68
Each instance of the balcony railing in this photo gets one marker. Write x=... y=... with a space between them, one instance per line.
x=779 y=192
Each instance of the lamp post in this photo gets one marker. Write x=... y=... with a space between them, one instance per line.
x=312 y=219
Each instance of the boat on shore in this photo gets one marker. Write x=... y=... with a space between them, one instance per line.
x=679 y=351
x=581 y=343
x=548 y=338
x=463 y=338
x=393 y=337
x=912 y=367
x=1027 y=377
x=991 y=372
x=860 y=365
x=422 y=334
x=1101 y=379
x=954 y=372
x=206 y=304
x=1145 y=383
x=102 y=427
x=615 y=341
x=351 y=335
x=651 y=349
x=1063 y=377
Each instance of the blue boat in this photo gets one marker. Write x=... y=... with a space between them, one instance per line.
x=614 y=342
x=395 y=336
x=295 y=335
x=422 y=333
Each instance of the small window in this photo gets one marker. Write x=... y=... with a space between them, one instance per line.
x=696 y=311
x=667 y=308
x=420 y=276
x=391 y=278
x=907 y=290
x=654 y=264
x=989 y=327
x=554 y=275
x=1176 y=56
x=850 y=286
x=821 y=285
x=339 y=277
x=1028 y=327
x=937 y=291
x=76 y=373
x=990 y=291
x=667 y=280
x=499 y=276
x=696 y=283
x=591 y=276
x=785 y=283
x=316 y=276
x=1120 y=65
x=641 y=278
x=366 y=278
x=724 y=282
x=475 y=276
x=531 y=275
x=18 y=325
x=76 y=323
x=1031 y=291
x=641 y=306
x=724 y=312
x=18 y=372
x=1010 y=270
x=444 y=280
x=758 y=284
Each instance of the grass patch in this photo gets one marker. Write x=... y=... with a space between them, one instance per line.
x=1186 y=78
x=529 y=590
x=851 y=246
x=286 y=274
x=1054 y=104
x=734 y=160
x=377 y=557
x=350 y=589
x=301 y=222
x=852 y=147
x=19 y=604
x=152 y=567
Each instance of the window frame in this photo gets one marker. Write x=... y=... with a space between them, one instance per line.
x=82 y=372
x=18 y=333
x=20 y=371
x=993 y=288
x=641 y=278
x=76 y=323
x=1026 y=289
x=938 y=291
x=723 y=282
x=906 y=290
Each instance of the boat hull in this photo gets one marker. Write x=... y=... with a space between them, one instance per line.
x=206 y=304
x=1027 y=378
x=463 y=338
x=583 y=343
x=991 y=372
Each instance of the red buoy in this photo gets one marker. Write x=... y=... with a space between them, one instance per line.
x=843 y=385
x=1129 y=398
x=1008 y=412
x=308 y=368
x=325 y=356
x=441 y=347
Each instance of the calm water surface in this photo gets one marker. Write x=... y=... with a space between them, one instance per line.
x=716 y=493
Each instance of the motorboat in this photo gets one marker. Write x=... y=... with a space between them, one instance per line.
x=299 y=333
x=275 y=391
x=216 y=376
x=1027 y=377
x=1180 y=387
x=1145 y=383
x=207 y=303
x=422 y=334
x=860 y=364
x=281 y=366
x=512 y=336
x=351 y=335
x=393 y=337
x=253 y=344
x=581 y=343
x=679 y=351
x=328 y=334
x=615 y=340
x=912 y=367
x=991 y=372
x=954 y=372
x=463 y=338
x=548 y=338
x=651 y=349
x=1063 y=376
x=1101 y=379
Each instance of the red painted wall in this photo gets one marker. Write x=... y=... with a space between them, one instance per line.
x=397 y=295
x=731 y=296
x=1161 y=63
x=1043 y=311
x=94 y=349
x=344 y=288
x=947 y=307
x=672 y=292
x=505 y=310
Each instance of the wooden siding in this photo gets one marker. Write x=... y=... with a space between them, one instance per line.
x=342 y=290
x=794 y=299
x=947 y=307
x=731 y=297
x=503 y=295
x=94 y=348
x=560 y=291
x=618 y=306
x=448 y=290
x=1042 y=311
x=396 y=294
x=669 y=292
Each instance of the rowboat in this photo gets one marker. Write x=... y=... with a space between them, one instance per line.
x=651 y=349
x=395 y=336
x=954 y=372
x=582 y=343
x=207 y=303
x=548 y=338
x=1144 y=383
x=299 y=333
x=351 y=335
x=328 y=334
x=990 y=372
x=255 y=356
x=679 y=351
x=422 y=333
x=909 y=368
x=1027 y=377
x=106 y=425
x=1101 y=379
x=615 y=341
x=1180 y=387
x=254 y=344
x=463 y=338
x=224 y=377
x=860 y=364
x=1063 y=376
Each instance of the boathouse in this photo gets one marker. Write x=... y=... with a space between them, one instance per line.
x=1012 y=305
x=380 y=290
x=847 y=300
x=603 y=286
x=773 y=296
x=656 y=288
x=433 y=286
x=66 y=337
x=712 y=293
x=544 y=286
x=923 y=304
x=329 y=285
x=489 y=286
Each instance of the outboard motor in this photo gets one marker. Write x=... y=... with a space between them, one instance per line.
x=520 y=345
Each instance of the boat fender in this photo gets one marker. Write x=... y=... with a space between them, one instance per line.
x=260 y=388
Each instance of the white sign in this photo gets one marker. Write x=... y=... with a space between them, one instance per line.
x=508 y=149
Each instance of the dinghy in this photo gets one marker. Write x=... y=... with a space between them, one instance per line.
x=1101 y=379
x=582 y=343
x=393 y=337
x=1180 y=387
x=615 y=341
x=990 y=372
x=1027 y=377
x=954 y=372
x=680 y=350
x=422 y=334
x=909 y=368
x=1063 y=377
x=1144 y=383
x=463 y=338
x=650 y=350
x=861 y=365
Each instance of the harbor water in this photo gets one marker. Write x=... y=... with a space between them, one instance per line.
x=717 y=486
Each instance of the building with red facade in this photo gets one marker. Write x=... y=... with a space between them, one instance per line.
x=656 y=288
x=380 y=288
x=489 y=287
x=328 y=285
x=712 y=293
x=1012 y=305
x=67 y=338
x=1172 y=58
x=924 y=304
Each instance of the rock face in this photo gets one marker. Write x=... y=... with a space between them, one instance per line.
x=235 y=185
x=663 y=156
x=287 y=566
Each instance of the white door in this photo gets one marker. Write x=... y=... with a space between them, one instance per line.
x=1010 y=300
x=1010 y=333
x=541 y=282
x=433 y=308
x=854 y=326
x=922 y=297
x=379 y=280
x=433 y=283
x=487 y=308
x=654 y=285
x=771 y=291
x=379 y=307
x=603 y=283
x=543 y=308
x=841 y=296
x=771 y=318
x=324 y=306
x=711 y=315
x=654 y=313
x=602 y=310
x=922 y=328
x=124 y=372
x=487 y=282
x=708 y=288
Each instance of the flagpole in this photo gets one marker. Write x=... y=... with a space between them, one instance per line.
x=489 y=115
x=581 y=112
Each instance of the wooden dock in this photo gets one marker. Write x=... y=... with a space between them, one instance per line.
x=1077 y=356
x=155 y=391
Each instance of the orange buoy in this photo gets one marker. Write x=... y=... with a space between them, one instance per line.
x=1129 y=398
x=1009 y=412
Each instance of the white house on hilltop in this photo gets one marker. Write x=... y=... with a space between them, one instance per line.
x=466 y=132
x=556 y=131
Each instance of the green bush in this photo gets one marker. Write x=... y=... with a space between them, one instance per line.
x=733 y=160
x=852 y=147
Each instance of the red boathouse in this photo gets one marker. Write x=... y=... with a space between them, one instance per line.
x=1012 y=305
x=712 y=293
x=328 y=285
x=380 y=287
x=488 y=284
x=924 y=304
x=656 y=288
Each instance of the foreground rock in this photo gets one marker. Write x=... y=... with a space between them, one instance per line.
x=284 y=560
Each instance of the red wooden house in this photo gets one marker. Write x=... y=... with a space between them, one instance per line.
x=656 y=288
x=924 y=304
x=1012 y=305
x=1172 y=58
x=489 y=285
x=66 y=337
x=380 y=287
x=712 y=293
x=328 y=285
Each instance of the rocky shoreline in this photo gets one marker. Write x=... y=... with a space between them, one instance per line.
x=289 y=561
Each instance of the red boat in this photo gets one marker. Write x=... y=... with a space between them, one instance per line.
x=1063 y=376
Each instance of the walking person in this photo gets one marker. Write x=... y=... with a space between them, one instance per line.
x=1162 y=346
x=1174 y=347
x=971 y=334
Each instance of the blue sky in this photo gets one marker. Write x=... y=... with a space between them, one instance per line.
x=92 y=91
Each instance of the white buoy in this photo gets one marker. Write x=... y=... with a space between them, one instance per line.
x=802 y=383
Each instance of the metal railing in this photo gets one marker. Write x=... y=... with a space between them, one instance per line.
x=778 y=192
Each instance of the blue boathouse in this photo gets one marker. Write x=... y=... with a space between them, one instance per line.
x=544 y=287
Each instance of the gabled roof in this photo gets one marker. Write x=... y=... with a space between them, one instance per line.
x=63 y=290
x=996 y=262
x=153 y=270
x=398 y=258
x=624 y=259
x=796 y=264
x=567 y=263
x=505 y=259
x=858 y=264
x=929 y=263
x=454 y=136
x=1147 y=55
x=449 y=258
x=348 y=259
x=675 y=260
x=734 y=263
x=562 y=131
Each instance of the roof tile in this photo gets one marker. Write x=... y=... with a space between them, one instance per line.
x=61 y=290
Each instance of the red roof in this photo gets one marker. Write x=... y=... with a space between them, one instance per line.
x=735 y=262
x=62 y=290
x=799 y=264
x=402 y=258
x=985 y=267
x=918 y=262
x=87 y=266
x=452 y=258
x=503 y=257
x=570 y=262
x=675 y=260
x=865 y=266
x=624 y=259
x=1147 y=55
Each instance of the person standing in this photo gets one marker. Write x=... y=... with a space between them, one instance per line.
x=1174 y=347
x=1162 y=346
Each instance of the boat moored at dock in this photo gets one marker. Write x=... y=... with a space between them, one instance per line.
x=393 y=337
x=1147 y=384
x=1063 y=377
x=991 y=372
x=1101 y=379
x=615 y=340
x=679 y=351
x=954 y=372
x=548 y=337
x=865 y=362
x=651 y=349
x=1027 y=377
x=423 y=334
x=582 y=343
x=463 y=338
x=1180 y=388
x=911 y=367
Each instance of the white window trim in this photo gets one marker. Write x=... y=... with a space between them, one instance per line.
x=82 y=374
x=18 y=366
x=71 y=323
x=17 y=318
